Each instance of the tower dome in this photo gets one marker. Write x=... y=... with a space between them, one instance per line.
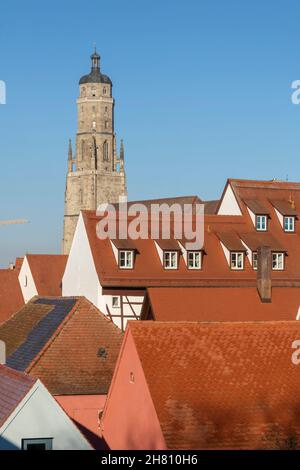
x=95 y=76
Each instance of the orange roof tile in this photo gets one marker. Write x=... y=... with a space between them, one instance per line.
x=220 y=304
x=47 y=272
x=11 y=298
x=222 y=385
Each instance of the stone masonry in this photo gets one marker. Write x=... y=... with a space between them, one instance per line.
x=95 y=173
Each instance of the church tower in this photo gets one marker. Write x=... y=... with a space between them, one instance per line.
x=95 y=171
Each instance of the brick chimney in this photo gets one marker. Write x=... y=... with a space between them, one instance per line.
x=2 y=352
x=264 y=269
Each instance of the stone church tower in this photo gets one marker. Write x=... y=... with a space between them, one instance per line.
x=95 y=172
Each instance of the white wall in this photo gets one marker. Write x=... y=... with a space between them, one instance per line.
x=280 y=216
x=105 y=305
x=229 y=204
x=80 y=277
x=28 y=289
x=39 y=416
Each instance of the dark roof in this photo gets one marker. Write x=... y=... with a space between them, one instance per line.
x=168 y=244
x=14 y=386
x=210 y=207
x=95 y=76
x=66 y=342
x=256 y=207
x=284 y=207
x=41 y=332
x=231 y=241
x=255 y=240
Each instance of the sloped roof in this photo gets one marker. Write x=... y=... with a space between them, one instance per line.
x=14 y=386
x=149 y=272
x=254 y=240
x=222 y=385
x=256 y=206
x=11 y=298
x=220 y=304
x=47 y=272
x=66 y=342
x=284 y=207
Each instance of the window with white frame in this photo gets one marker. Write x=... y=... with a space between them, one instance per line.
x=254 y=260
x=237 y=260
x=126 y=259
x=261 y=223
x=115 y=301
x=277 y=261
x=289 y=224
x=170 y=259
x=194 y=259
x=37 y=444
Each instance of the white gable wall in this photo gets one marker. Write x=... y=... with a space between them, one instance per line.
x=80 y=277
x=39 y=416
x=229 y=204
x=26 y=281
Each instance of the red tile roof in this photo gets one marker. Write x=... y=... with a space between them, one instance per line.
x=47 y=272
x=149 y=272
x=11 y=298
x=86 y=340
x=14 y=386
x=222 y=385
x=219 y=304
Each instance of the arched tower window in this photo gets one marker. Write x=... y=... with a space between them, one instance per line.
x=105 y=152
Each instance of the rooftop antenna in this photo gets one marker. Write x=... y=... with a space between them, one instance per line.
x=287 y=177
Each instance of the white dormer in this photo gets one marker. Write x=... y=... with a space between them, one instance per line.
x=124 y=252
x=286 y=214
x=168 y=252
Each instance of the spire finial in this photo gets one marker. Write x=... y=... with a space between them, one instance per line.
x=122 y=150
x=70 y=153
x=95 y=59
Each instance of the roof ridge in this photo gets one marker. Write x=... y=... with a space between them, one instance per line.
x=54 y=335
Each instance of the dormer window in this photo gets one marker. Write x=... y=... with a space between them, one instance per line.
x=289 y=224
x=236 y=260
x=194 y=259
x=277 y=261
x=170 y=259
x=125 y=259
x=261 y=222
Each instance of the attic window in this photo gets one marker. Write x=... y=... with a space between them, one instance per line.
x=170 y=259
x=236 y=260
x=277 y=261
x=194 y=259
x=261 y=223
x=289 y=224
x=126 y=259
x=116 y=302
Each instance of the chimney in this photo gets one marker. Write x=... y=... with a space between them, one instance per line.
x=11 y=266
x=2 y=352
x=264 y=269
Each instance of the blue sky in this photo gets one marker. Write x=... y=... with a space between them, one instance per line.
x=202 y=89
